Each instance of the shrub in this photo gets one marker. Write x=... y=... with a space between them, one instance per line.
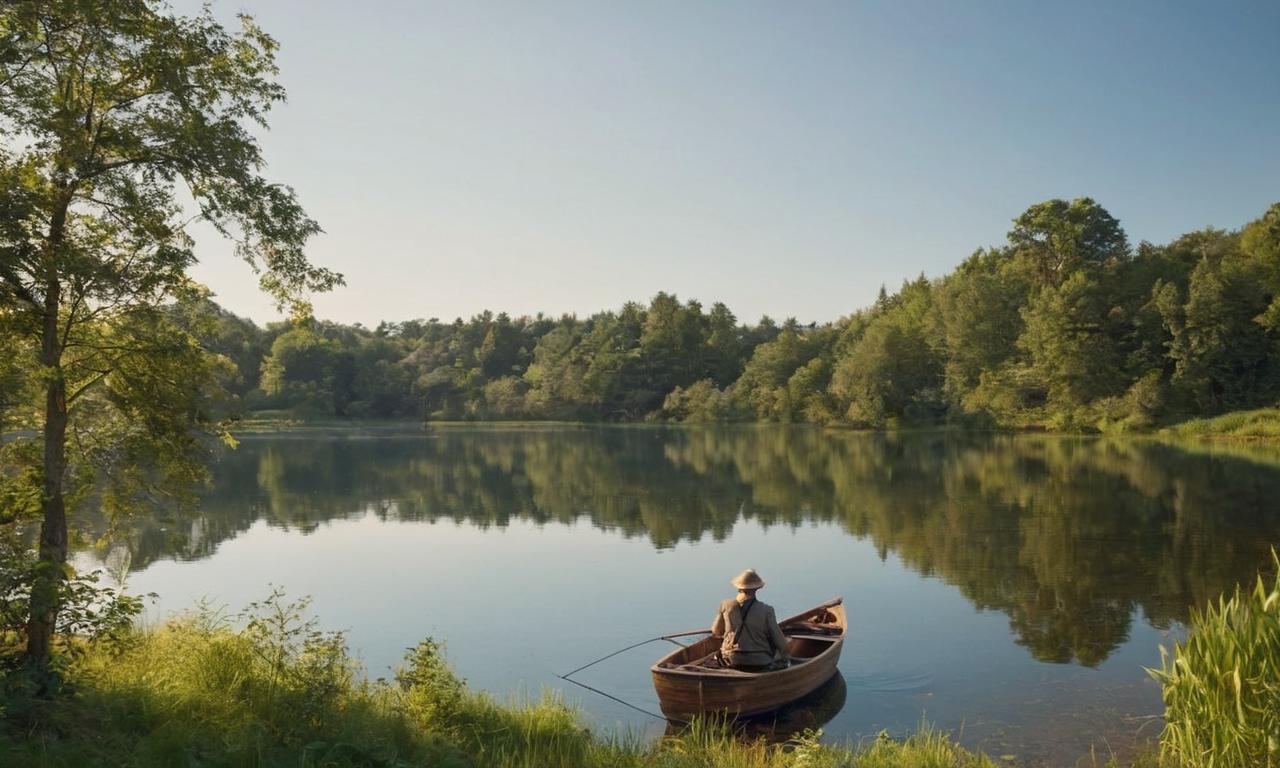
x=432 y=692
x=700 y=402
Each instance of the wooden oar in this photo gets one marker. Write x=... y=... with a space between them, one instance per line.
x=817 y=609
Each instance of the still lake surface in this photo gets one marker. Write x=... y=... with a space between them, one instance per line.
x=1008 y=588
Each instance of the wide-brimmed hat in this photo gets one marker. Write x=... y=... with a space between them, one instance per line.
x=748 y=579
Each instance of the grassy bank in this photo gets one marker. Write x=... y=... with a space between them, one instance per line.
x=1258 y=425
x=269 y=689
x=279 y=692
x=1262 y=424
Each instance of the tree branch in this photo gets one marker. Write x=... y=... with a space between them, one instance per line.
x=100 y=375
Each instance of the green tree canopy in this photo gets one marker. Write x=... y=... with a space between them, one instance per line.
x=1056 y=238
x=112 y=113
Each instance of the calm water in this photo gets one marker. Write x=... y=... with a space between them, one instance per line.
x=1011 y=587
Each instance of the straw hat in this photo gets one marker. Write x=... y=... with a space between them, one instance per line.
x=748 y=579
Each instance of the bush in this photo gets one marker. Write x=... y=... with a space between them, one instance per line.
x=700 y=402
x=432 y=692
x=504 y=398
x=89 y=612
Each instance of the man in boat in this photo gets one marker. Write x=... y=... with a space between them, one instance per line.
x=752 y=640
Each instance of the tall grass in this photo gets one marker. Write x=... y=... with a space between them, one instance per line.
x=1260 y=424
x=1222 y=686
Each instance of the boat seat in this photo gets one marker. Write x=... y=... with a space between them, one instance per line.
x=700 y=663
x=811 y=627
x=700 y=666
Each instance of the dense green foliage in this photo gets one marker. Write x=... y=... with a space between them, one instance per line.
x=121 y=125
x=1222 y=686
x=1065 y=326
x=613 y=365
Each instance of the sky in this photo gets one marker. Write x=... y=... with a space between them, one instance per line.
x=785 y=158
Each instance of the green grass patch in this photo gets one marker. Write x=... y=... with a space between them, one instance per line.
x=267 y=421
x=1259 y=424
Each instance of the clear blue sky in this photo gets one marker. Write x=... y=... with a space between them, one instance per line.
x=785 y=158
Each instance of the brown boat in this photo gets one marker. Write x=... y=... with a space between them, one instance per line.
x=688 y=683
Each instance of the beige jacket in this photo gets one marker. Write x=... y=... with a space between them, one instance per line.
x=756 y=643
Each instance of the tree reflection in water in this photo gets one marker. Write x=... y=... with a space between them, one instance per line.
x=1066 y=536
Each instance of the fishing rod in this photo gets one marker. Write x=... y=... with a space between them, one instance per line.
x=669 y=638
x=567 y=676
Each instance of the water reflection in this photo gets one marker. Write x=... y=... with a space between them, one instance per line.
x=1065 y=536
x=807 y=714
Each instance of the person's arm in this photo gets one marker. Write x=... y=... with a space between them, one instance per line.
x=776 y=636
x=717 y=626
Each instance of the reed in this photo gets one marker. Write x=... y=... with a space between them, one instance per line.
x=1222 y=686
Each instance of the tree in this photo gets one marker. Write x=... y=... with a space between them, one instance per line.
x=1057 y=238
x=1223 y=356
x=761 y=390
x=555 y=374
x=894 y=368
x=673 y=347
x=303 y=368
x=108 y=108
x=978 y=306
x=500 y=351
x=1072 y=353
x=614 y=381
x=724 y=345
x=1260 y=241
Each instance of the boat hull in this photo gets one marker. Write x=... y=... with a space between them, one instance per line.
x=685 y=690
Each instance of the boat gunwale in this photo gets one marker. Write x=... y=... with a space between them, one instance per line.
x=835 y=643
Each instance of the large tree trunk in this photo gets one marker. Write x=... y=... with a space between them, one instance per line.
x=53 y=527
x=50 y=571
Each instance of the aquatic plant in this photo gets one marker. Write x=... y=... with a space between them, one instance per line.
x=1222 y=686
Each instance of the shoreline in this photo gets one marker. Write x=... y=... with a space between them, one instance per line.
x=195 y=687
x=1253 y=427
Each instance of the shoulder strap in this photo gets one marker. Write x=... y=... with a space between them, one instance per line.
x=744 y=609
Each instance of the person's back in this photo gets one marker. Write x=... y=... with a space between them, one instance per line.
x=751 y=636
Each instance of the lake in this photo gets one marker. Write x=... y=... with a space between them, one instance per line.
x=1008 y=588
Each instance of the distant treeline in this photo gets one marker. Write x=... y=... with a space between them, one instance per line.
x=1065 y=325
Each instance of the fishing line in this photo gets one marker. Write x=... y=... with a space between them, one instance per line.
x=625 y=703
x=567 y=676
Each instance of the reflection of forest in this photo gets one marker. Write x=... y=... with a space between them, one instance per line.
x=1065 y=535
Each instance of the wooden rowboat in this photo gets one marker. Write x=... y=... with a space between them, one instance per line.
x=687 y=687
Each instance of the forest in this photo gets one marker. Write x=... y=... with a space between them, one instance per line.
x=1064 y=326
